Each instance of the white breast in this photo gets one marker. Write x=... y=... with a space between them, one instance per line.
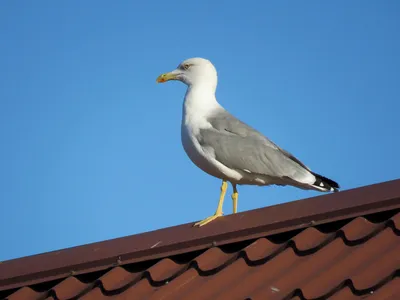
x=199 y=156
x=198 y=105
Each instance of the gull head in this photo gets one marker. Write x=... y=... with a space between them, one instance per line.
x=193 y=71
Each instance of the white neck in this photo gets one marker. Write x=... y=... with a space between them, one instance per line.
x=199 y=101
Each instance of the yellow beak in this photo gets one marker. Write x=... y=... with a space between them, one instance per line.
x=166 y=76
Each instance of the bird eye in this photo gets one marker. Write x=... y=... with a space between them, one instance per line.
x=186 y=66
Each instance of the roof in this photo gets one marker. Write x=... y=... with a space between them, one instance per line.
x=339 y=246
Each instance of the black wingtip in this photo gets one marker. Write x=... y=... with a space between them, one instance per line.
x=326 y=183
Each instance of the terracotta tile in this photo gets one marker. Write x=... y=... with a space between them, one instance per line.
x=117 y=278
x=25 y=293
x=310 y=238
x=308 y=269
x=268 y=291
x=69 y=288
x=348 y=264
x=173 y=289
x=390 y=291
x=206 y=286
x=212 y=259
x=254 y=278
x=359 y=228
x=261 y=248
x=396 y=220
x=94 y=294
x=165 y=269
x=378 y=267
x=142 y=290
x=344 y=294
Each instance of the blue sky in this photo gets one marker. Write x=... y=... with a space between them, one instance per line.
x=90 y=144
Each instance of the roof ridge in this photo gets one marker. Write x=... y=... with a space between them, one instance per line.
x=185 y=238
x=242 y=254
x=291 y=244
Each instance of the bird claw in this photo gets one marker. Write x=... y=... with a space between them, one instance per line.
x=208 y=220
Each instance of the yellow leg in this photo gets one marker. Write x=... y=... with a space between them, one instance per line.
x=235 y=197
x=218 y=213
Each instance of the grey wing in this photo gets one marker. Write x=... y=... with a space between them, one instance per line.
x=240 y=147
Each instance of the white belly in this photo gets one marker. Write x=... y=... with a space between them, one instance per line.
x=196 y=108
x=196 y=153
x=204 y=158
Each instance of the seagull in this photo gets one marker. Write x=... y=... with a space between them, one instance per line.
x=225 y=147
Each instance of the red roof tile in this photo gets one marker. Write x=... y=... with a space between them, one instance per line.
x=337 y=246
